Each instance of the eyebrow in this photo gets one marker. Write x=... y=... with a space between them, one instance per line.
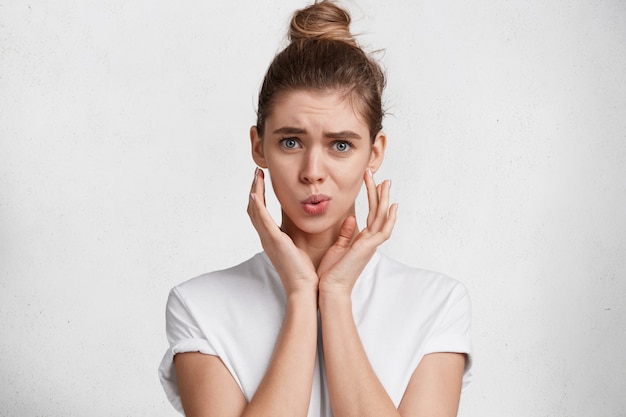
x=344 y=134
x=289 y=131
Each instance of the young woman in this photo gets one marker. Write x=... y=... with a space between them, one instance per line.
x=319 y=323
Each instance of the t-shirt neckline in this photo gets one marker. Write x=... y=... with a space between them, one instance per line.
x=371 y=264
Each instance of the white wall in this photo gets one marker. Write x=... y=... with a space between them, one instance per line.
x=124 y=170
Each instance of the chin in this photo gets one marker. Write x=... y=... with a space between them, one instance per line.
x=316 y=225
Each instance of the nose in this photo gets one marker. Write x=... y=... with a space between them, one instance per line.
x=313 y=168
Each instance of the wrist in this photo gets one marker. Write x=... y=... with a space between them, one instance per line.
x=302 y=296
x=301 y=287
x=332 y=295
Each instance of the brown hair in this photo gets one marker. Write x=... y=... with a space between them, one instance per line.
x=323 y=55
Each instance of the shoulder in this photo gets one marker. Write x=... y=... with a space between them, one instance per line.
x=422 y=281
x=249 y=276
x=395 y=290
x=248 y=270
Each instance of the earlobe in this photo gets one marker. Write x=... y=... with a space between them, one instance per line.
x=378 y=151
x=256 y=143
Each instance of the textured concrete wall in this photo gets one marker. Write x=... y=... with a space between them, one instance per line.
x=125 y=168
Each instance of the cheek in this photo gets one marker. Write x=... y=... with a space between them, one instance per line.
x=280 y=182
x=351 y=175
x=350 y=182
x=277 y=183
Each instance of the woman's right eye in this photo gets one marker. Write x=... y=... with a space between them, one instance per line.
x=289 y=143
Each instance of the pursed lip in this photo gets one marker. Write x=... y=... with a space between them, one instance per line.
x=316 y=204
x=315 y=199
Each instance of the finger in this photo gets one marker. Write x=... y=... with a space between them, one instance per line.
x=260 y=216
x=257 y=190
x=346 y=233
x=254 y=181
x=391 y=221
x=258 y=186
x=382 y=211
x=372 y=196
x=252 y=196
x=369 y=242
x=383 y=201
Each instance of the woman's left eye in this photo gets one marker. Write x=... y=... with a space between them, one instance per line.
x=342 y=146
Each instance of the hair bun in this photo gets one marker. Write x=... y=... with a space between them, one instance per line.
x=323 y=20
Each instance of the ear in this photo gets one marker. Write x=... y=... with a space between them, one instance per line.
x=256 y=143
x=378 y=151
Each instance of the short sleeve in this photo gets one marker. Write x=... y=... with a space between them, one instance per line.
x=183 y=335
x=453 y=334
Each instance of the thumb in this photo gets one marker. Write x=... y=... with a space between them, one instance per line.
x=346 y=233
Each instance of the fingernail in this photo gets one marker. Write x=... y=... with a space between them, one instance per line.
x=256 y=174
x=369 y=171
x=251 y=196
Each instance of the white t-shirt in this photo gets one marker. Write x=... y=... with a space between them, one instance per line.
x=401 y=314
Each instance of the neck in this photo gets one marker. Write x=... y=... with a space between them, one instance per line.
x=314 y=244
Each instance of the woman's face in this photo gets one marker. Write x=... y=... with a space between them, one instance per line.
x=316 y=148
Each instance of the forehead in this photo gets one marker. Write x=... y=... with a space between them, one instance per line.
x=331 y=108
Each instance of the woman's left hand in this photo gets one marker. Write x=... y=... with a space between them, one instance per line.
x=346 y=259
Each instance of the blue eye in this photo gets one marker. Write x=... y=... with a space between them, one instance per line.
x=342 y=146
x=289 y=143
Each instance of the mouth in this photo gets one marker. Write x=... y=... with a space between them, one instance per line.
x=316 y=204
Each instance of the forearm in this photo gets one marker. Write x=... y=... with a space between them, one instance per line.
x=353 y=386
x=286 y=387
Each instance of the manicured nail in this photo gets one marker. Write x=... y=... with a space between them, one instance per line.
x=256 y=174
x=369 y=171
x=252 y=196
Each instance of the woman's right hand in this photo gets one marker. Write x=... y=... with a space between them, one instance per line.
x=294 y=266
